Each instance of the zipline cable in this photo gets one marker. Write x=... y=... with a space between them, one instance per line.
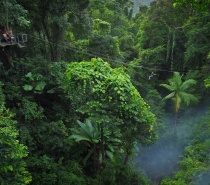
x=108 y=58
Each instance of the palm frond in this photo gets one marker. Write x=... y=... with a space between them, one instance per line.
x=79 y=138
x=86 y=132
x=177 y=79
x=110 y=154
x=89 y=125
x=193 y=98
x=169 y=87
x=188 y=83
x=187 y=98
x=171 y=95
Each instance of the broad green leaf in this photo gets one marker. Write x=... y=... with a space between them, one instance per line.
x=40 y=86
x=30 y=76
x=27 y=87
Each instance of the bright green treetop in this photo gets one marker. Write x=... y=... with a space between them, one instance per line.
x=107 y=96
x=202 y=5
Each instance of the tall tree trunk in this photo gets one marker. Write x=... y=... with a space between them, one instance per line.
x=168 y=47
x=175 y=123
x=172 y=51
x=102 y=141
x=9 y=56
x=54 y=31
x=127 y=156
x=57 y=43
x=44 y=9
x=128 y=150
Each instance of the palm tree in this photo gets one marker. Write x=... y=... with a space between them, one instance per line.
x=98 y=140
x=179 y=93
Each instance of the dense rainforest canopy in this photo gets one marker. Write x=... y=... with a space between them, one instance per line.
x=92 y=85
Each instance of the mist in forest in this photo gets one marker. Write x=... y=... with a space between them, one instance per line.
x=202 y=179
x=161 y=159
x=138 y=3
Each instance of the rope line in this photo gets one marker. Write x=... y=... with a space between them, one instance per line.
x=106 y=57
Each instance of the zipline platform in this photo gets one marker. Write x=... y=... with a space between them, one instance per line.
x=18 y=40
x=4 y=44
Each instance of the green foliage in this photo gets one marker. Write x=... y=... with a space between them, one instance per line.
x=12 y=166
x=197 y=5
x=117 y=174
x=115 y=13
x=153 y=98
x=106 y=96
x=31 y=110
x=87 y=132
x=18 y=15
x=51 y=156
x=105 y=46
x=207 y=82
x=159 y=33
x=152 y=45
x=115 y=96
x=101 y=27
x=47 y=171
x=48 y=102
x=127 y=47
x=50 y=137
x=153 y=54
x=2 y=97
x=197 y=48
x=34 y=82
x=99 y=141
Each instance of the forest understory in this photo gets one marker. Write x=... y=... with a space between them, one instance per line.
x=104 y=92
